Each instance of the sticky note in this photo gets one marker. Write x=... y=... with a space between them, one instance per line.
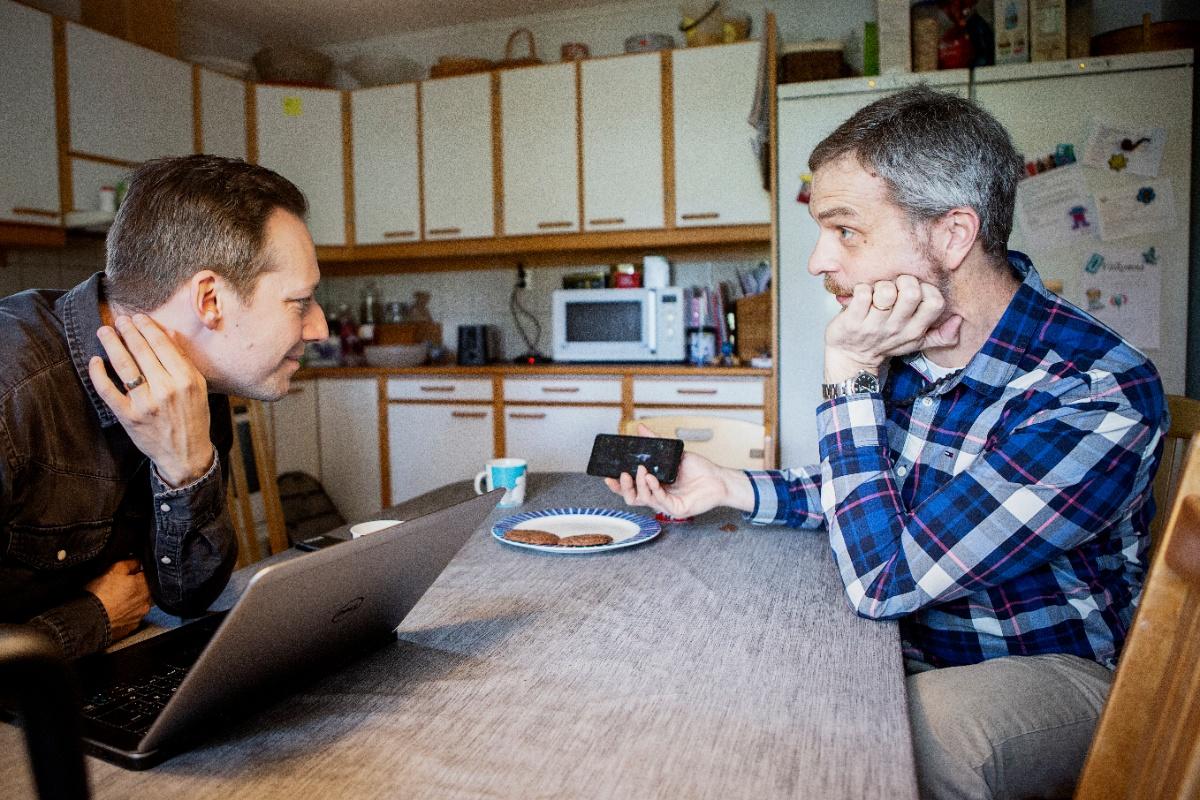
x=293 y=106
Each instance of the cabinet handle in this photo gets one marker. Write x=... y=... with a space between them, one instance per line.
x=36 y=212
x=468 y=414
x=437 y=388
x=702 y=215
x=296 y=390
x=546 y=225
x=695 y=391
x=518 y=415
x=399 y=234
x=607 y=221
x=560 y=389
x=443 y=231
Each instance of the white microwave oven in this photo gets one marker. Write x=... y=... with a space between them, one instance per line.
x=618 y=324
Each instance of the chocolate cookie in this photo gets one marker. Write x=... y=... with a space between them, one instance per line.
x=529 y=536
x=585 y=540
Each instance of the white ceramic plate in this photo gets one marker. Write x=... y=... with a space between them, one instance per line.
x=626 y=529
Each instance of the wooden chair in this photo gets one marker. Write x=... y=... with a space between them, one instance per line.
x=1147 y=744
x=728 y=442
x=1185 y=423
x=238 y=497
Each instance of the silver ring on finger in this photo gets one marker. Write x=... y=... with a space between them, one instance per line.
x=880 y=308
x=136 y=382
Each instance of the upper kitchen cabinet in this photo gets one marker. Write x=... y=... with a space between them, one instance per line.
x=222 y=115
x=29 y=191
x=126 y=103
x=387 y=196
x=717 y=175
x=622 y=142
x=300 y=137
x=540 y=149
x=456 y=148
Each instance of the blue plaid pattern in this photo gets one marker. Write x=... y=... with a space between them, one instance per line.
x=1001 y=512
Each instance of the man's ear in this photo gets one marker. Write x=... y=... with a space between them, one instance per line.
x=207 y=297
x=955 y=234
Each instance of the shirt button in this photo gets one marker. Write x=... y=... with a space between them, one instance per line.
x=166 y=559
x=164 y=508
x=901 y=471
x=927 y=401
x=62 y=555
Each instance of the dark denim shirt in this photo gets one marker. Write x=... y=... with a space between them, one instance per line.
x=76 y=495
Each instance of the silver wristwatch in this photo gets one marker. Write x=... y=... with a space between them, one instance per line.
x=862 y=381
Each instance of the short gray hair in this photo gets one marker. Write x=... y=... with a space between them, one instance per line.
x=935 y=152
x=189 y=213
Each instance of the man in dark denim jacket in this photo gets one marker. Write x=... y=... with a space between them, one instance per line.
x=114 y=422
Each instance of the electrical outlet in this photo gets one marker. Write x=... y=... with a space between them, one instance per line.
x=523 y=281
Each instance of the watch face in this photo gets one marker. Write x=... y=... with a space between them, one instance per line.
x=866 y=382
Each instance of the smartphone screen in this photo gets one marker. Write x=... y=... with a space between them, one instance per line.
x=612 y=455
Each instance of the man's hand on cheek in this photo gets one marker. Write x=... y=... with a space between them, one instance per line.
x=885 y=319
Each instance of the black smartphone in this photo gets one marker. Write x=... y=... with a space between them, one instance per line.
x=612 y=455
x=317 y=542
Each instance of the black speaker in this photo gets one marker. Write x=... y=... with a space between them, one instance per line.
x=476 y=345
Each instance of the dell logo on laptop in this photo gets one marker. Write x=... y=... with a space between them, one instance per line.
x=348 y=608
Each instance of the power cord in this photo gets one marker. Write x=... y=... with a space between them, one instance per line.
x=518 y=311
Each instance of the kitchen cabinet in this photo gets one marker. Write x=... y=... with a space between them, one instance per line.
x=29 y=191
x=736 y=398
x=552 y=422
x=621 y=115
x=300 y=137
x=387 y=191
x=540 y=149
x=456 y=150
x=718 y=180
x=222 y=115
x=348 y=436
x=126 y=102
x=294 y=430
x=432 y=442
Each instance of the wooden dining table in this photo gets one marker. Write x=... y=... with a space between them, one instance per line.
x=716 y=660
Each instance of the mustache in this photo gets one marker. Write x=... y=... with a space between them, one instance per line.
x=835 y=288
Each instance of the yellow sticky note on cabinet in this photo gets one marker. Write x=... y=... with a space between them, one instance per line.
x=293 y=107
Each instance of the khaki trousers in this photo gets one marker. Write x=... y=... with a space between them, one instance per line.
x=1014 y=727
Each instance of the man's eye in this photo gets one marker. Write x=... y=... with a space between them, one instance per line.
x=845 y=234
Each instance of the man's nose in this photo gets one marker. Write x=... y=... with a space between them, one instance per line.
x=819 y=260
x=315 y=327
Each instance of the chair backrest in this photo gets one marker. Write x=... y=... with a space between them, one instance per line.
x=728 y=442
x=1185 y=424
x=260 y=458
x=1148 y=741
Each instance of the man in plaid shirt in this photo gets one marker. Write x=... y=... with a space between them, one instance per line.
x=987 y=451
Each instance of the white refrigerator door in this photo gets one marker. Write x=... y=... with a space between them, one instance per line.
x=1043 y=105
x=808 y=112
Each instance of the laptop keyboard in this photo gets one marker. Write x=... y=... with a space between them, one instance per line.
x=134 y=706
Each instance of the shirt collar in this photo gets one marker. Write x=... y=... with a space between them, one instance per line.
x=81 y=320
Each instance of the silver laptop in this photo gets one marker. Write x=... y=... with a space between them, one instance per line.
x=297 y=620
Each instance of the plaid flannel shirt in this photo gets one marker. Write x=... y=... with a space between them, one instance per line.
x=1003 y=510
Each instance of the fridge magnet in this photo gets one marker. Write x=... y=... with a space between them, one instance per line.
x=805 y=193
x=1136 y=150
x=1054 y=208
x=1125 y=294
x=1135 y=209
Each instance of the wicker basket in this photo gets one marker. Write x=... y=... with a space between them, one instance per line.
x=511 y=60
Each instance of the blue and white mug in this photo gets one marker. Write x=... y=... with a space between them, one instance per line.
x=507 y=474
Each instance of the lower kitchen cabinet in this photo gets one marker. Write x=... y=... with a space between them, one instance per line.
x=556 y=438
x=348 y=435
x=430 y=445
x=294 y=430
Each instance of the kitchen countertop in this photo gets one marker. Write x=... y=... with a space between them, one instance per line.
x=507 y=370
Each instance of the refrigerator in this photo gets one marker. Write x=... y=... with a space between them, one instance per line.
x=1110 y=235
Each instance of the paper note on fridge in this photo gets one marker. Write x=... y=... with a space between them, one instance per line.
x=1123 y=289
x=1138 y=151
x=1054 y=208
x=1136 y=208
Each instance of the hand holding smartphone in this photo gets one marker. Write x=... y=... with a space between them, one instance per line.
x=613 y=455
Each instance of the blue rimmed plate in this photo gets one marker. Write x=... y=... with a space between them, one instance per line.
x=626 y=529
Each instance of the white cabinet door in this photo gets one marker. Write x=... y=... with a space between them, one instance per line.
x=556 y=438
x=430 y=445
x=349 y=437
x=300 y=137
x=540 y=149
x=456 y=147
x=717 y=175
x=622 y=142
x=387 y=192
x=29 y=190
x=294 y=430
x=222 y=115
x=126 y=102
